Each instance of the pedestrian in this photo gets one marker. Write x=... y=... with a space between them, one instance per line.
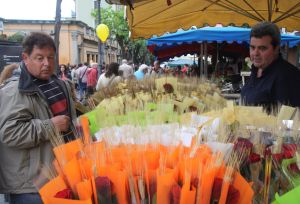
x=82 y=80
x=110 y=77
x=126 y=69
x=11 y=70
x=156 y=69
x=273 y=80
x=185 y=70
x=31 y=108
x=140 y=73
x=63 y=73
x=92 y=77
x=74 y=76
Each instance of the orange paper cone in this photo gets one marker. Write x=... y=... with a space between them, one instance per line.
x=164 y=184
x=119 y=180
x=151 y=183
x=49 y=190
x=72 y=172
x=224 y=192
x=52 y=187
x=152 y=159
x=173 y=156
x=84 y=189
x=187 y=195
x=65 y=201
x=118 y=155
x=206 y=185
x=86 y=166
x=58 y=168
x=66 y=152
x=84 y=121
x=244 y=188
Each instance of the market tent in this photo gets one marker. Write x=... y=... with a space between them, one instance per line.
x=165 y=52
x=124 y=2
x=209 y=34
x=156 y=17
x=184 y=42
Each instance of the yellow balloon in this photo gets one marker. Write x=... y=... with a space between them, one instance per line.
x=102 y=32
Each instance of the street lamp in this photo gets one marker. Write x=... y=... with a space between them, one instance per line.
x=100 y=52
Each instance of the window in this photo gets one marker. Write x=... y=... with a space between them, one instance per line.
x=88 y=58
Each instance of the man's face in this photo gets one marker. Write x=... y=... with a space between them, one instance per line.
x=156 y=66
x=40 y=63
x=262 y=52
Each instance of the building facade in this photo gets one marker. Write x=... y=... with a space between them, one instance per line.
x=78 y=41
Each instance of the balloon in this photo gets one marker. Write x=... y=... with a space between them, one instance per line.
x=102 y=32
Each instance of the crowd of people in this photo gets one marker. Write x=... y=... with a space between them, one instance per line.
x=86 y=78
x=35 y=101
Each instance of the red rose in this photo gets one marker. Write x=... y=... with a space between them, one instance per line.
x=65 y=194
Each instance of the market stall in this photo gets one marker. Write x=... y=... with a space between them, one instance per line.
x=184 y=42
x=176 y=143
x=156 y=17
x=170 y=141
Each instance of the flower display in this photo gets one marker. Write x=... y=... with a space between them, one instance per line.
x=158 y=145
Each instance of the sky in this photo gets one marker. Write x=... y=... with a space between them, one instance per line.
x=34 y=9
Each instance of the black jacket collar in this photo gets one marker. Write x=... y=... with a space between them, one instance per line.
x=26 y=84
x=268 y=69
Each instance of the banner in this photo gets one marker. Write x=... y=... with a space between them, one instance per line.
x=9 y=54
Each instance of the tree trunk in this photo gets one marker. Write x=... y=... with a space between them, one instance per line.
x=57 y=32
x=135 y=53
x=120 y=41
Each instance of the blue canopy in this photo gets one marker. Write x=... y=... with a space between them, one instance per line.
x=228 y=34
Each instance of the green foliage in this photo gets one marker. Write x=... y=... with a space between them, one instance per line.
x=17 y=37
x=114 y=20
x=140 y=52
x=3 y=37
x=119 y=31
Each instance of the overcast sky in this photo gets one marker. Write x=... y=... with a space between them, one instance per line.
x=34 y=9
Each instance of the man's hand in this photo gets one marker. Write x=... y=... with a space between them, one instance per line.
x=61 y=122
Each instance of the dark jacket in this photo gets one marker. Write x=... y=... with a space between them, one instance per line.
x=279 y=84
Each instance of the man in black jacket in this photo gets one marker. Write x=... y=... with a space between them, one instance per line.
x=273 y=80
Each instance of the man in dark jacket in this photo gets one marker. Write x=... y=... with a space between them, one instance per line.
x=30 y=109
x=273 y=80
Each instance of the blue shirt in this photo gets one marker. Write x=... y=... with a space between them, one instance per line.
x=139 y=75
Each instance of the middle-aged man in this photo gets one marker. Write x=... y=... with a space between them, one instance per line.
x=30 y=109
x=156 y=70
x=273 y=81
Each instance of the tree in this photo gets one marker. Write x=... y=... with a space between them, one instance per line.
x=135 y=50
x=116 y=23
x=57 y=31
x=17 y=37
x=3 y=37
x=140 y=52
